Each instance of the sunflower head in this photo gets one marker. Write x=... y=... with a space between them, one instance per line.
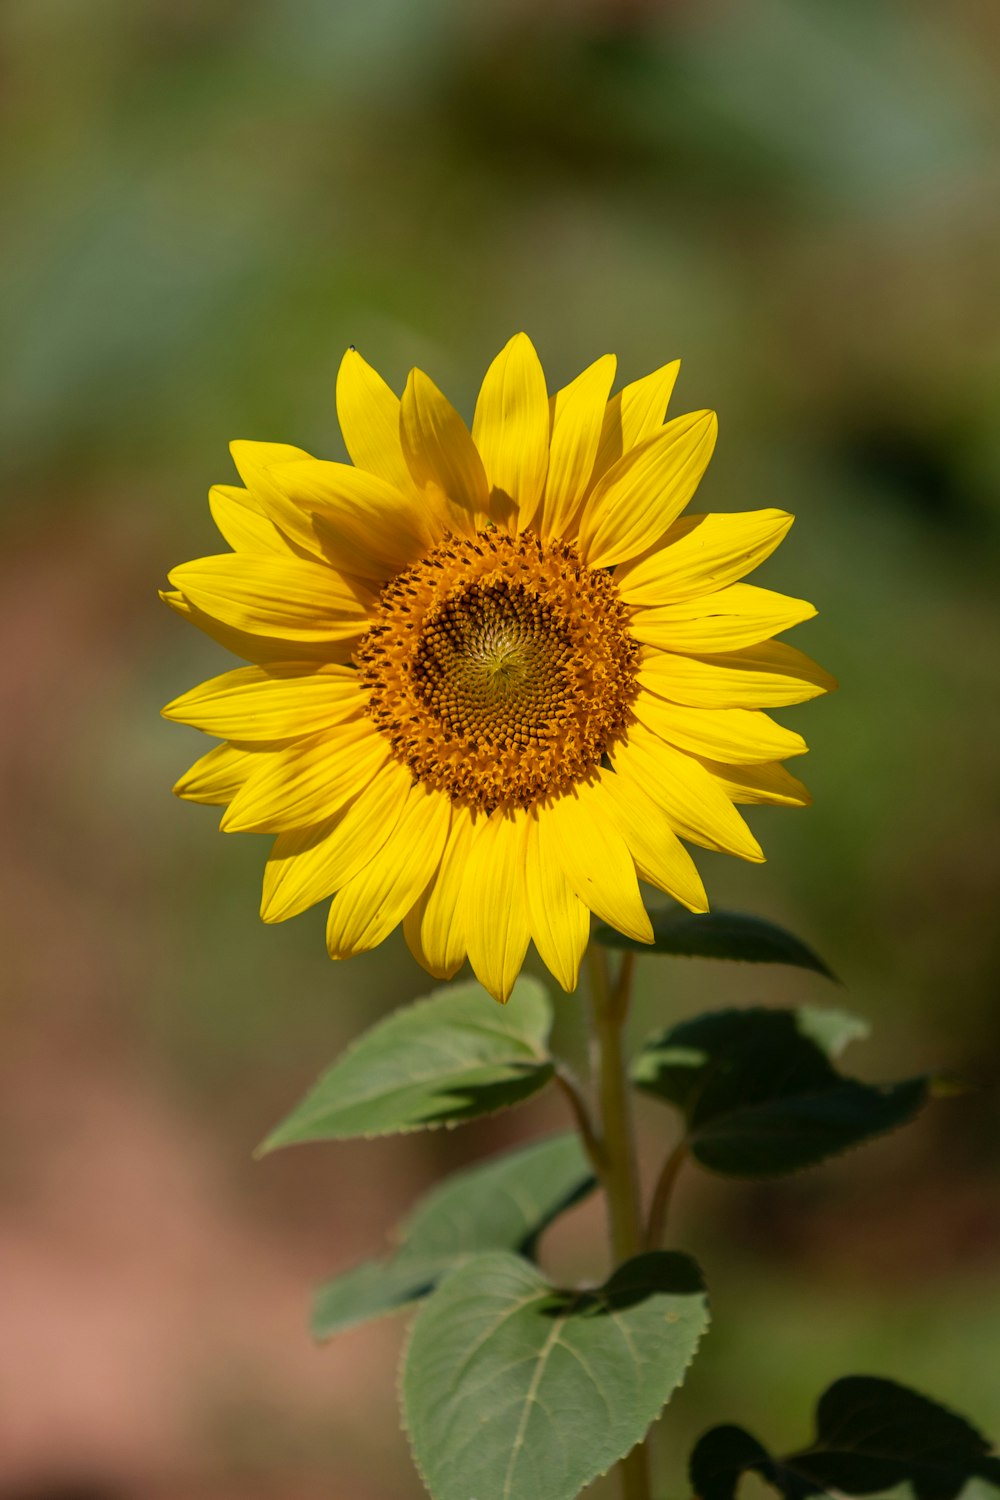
x=496 y=677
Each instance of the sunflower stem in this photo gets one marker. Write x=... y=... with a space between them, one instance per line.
x=620 y=1175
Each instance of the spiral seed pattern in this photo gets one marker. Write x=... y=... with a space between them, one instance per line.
x=500 y=668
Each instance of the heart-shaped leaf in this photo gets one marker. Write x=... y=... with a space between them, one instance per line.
x=871 y=1435
x=514 y=1390
x=759 y=1093
x=442 y=1060
x=505 y=1204
x=719 y=934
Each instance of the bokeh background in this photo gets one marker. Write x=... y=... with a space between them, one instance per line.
x=204 y=202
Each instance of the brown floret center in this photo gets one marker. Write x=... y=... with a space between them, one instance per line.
x=500 y=668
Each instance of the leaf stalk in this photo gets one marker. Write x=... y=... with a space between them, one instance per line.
x=662 y=1193
x=570 y=1086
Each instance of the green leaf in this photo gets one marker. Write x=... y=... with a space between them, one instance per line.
x=504 y=1204
x=759 y=1093
x=719 y=934
x=446 y=1059
x=871 y=1435
x=513 y=1390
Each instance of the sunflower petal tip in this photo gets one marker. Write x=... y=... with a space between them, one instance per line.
x=520 y=340
x=352 y=364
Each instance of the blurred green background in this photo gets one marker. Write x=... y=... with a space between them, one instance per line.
x=204 y=201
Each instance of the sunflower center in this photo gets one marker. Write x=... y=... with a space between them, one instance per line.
x=500 y=668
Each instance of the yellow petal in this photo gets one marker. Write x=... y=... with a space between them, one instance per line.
x=741 y=615
x=494 y=905
x=243 y=523
x=696 y=806
x=216 y=778
x=363 y=525
x=511 y=431
x=659 y=855
x=255 y=463
x=434 y=927
x=558 y=920
x=309 y=864
x=636 y=501
x=257 y=648
x=633 y=415
x=309 y=782
x=700 y=554
x=771 y=783
x=579 y=832
x=438 y=447
x=368 y=412
x=741 y=735
x=578 y=411
x=253 y=460
x=770 y=675
x=280 y=702
x=283 y=597
x=367 y=908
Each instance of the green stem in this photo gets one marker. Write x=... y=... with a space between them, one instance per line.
x=620 y=1175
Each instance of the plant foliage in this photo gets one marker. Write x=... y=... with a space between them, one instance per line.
x=759 y=1092
x=516 y=1390
x=437 y=1062
x=504 y=1204
x=731 y=935
x=871 y=1435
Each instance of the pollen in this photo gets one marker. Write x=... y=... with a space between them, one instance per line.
x=500 y=668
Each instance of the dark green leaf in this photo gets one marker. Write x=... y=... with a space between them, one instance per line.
x=759 y=1093
x=719 y=934
x=505 y=1204
x=446 y=1059
x=871 y=1435
x=513 y=1390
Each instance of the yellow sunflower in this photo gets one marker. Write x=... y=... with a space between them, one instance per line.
x=496 y=676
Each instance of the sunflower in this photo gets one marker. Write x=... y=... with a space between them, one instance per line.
x=496 y=677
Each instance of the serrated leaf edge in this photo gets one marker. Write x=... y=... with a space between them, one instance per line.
x=272 y=1143
x=601 y=1473
x=834 y=1155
